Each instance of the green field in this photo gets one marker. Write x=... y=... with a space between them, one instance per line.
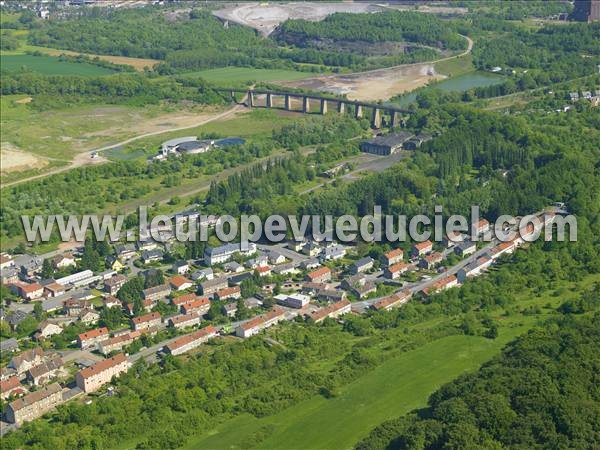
x=392 y=389
x=49 y=65
x=243 y=74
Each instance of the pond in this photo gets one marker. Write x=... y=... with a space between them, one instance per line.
x=458 y=84
x=228 y=142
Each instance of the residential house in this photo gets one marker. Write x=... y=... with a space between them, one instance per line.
x=203 y=274
x=502 y=249
x=73 y=308
x=63 y=261
x=442 y=284
x=392 y=257
x=233 y=267
x=146 y=321
x=422 y=248
x=210 y=287
x=156 y=293
x=237 y=280
x=6 y=261
x=312 y=248
x=191 y=341
x=89 y=316
x=256 y=324
x=431 y=260
x=297 y=301
x=8 y=345
x=259 y=261
x=263 y=271
x=275 y=257
x=362 y=265
x=47 y=329
x=465 y=248
x=331 y=295
x=28 y=291
x=200 y=306
x=333 y=311
x=90 y=339
x=116 y=343
x=183 y=299
x=223 y=253
x=114 y=283
x=34 y=405
x=474 y=269
x=10 y=386
x=184 y=320
x=9 y=275
x=125 y=251
x=394 y=271
x=83 y=278
x=26 y=360
x=451 y=239
x=295 y=245
x=45 y=372
x=16 y=318
x=111 y=301
x=285 y=269
x=146 y=245
x=114 y=263
x=481 y=227
x=321 y=275
x=309 y=264
x=228 y=292
x=153 y=255
x=93 y=378
x=359 y=285
x=181 y=267
x=332 y=253
x=230 y=309
x=180 y=283
x=392 y=301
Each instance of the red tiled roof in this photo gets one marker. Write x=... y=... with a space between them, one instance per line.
x=423 y=245
x=259 y=320
x=397 y=267
x=394 y=253
x=9 y=384
x=146 y=318
x=103 y=365
x=184 y=340
x=391 y=300
x=228 y=291
x=179 y=280
x=97 y=332
x=319 y=272
x=196 y=304
x=187 y=298
x=324 y=312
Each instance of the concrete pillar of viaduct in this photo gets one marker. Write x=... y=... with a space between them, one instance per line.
x=376 y=119
x=269 y=100
x=288 y=102
x=323 y=106
x=394 y=116
x=250 y=99
x=305 y=104
x=341 y=108
x=358 y=112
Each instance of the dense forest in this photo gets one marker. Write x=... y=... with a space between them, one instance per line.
x=542 y=392
x=197 y=40
x=426 y=29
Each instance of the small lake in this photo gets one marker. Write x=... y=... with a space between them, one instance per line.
x=228 y=142
x=458 y=84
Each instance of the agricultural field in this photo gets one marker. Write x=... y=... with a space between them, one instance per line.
x=227 y=75
x=50 y=65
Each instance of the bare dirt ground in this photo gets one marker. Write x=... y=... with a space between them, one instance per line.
x=85 y=158
x=265 y=17
x=14 y=159
x=380 y=84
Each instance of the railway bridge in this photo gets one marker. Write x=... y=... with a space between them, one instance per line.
x=380 y=114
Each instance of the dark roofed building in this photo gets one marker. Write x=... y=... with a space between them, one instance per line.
x=386 y=145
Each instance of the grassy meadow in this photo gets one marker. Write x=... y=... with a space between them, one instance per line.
x=394 y=388
x=50 y=65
